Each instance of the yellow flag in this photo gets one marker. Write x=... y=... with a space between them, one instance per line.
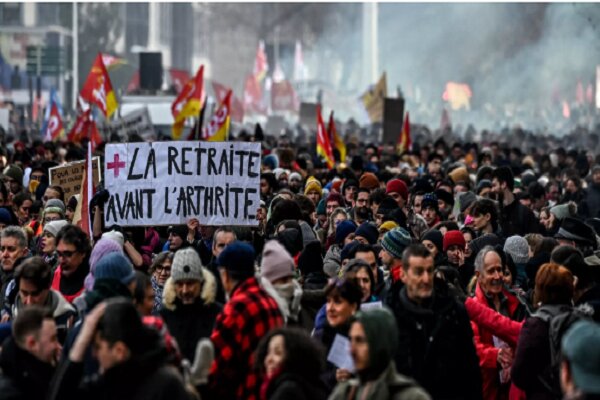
x=374 y=98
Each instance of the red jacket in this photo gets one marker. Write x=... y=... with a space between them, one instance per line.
x=245 y=319
x=488 y=354
x=486 y=318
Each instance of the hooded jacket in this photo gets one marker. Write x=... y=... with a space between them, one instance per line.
x=379 y=381
x=189 y=323
x=63 y=312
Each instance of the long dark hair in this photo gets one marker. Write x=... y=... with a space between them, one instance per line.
x=303 y=355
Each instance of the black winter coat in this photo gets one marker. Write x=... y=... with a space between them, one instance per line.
x=436 y=346
x=288 y=386
x=190 y=323
x=23 y=376
x=147 y=377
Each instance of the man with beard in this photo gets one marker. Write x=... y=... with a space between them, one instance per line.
x=515 y=218
x=495 y=357
x=189 y=307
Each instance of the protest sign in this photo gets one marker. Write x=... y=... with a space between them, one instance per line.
x=308 y=114
x=339 y=354
x=69 y=176
x=393 y=118
x=166 y=183
x=136 y=122
x=4 y=118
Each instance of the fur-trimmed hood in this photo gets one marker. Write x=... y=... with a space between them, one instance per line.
x=208 y=293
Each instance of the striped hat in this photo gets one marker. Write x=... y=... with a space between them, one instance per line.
x=395 y=241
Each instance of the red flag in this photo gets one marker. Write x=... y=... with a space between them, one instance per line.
x=323 y=143
x=188 y=103
x=283 y=97
x=404 y=141
x=98 y=89
x=87 y=192
x=335 y=140
x=54 y=129
x=253 y=96
x=85 y=127
x=237 y=107
x=179 y=78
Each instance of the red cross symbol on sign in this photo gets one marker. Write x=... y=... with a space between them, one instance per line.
x=116 y=165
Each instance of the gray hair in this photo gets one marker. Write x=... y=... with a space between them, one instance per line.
x=224 y=229
x=481 y=256
x=15 y=232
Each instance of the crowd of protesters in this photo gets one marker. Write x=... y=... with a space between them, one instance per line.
x=467 y=268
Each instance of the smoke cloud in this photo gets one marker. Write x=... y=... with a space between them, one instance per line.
x=521 y=60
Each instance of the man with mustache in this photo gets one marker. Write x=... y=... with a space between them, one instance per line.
x=495 y=356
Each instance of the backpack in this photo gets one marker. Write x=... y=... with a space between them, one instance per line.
x=559 y=320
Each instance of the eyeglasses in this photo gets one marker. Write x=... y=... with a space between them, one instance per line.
x=50 y=219
x=66 y=253
x=163 y=268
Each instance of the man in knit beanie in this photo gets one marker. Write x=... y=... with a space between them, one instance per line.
x=189 y=307
x=368 y=180
x=392 y=246
x=232 y=374
x=454 y=247
x=13 y=179
x=518 y=250
x=313 y=190
x=366 y=233
x=397 y=189
x=277 y=278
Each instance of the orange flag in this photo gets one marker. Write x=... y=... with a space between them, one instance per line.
x=323 y=143
x=98 y=89
x=404 y=141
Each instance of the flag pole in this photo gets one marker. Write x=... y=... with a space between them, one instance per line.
x=199 y=121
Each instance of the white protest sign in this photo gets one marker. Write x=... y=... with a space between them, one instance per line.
x=136 y=122
x=371 y=306
x=339 y=354
x=166 y=183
